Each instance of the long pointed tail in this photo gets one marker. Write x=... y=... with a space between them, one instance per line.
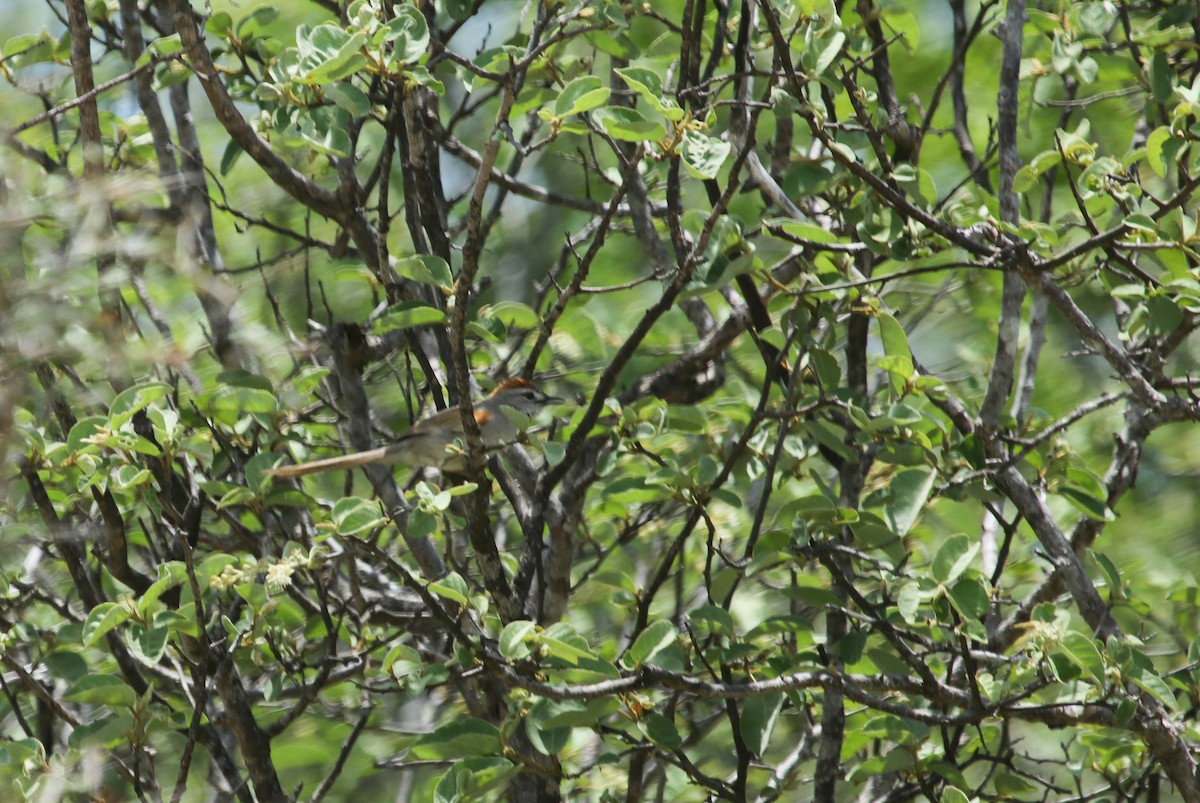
x=345 y=461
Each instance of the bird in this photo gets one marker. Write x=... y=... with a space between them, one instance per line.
x=427 y=442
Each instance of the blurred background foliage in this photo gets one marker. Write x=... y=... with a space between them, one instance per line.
x=695 y=544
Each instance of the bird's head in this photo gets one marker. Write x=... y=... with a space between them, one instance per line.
x=522 y=395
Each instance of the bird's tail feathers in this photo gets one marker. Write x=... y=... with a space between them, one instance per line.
x=332 y=464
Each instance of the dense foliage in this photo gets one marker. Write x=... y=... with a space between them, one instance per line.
x=873 y=475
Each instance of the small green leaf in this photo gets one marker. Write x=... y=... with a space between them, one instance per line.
x=895 y=343
x=657 y=636
x=102 y=619
x=131 y=400
x=759 y=715
x=451 y=587
x=969 y=598
x=170 y=574
x=714 y=618
x=101 y=689
x=561 y=641
x=1162 y=78
x=554 y=452
x=952 y=794
x=426 y=269
x=230 y=156
x=102 y=731
x=545 y=738
x=257 y=18
x=85 y=428
x=463 y=737
x=1082 y=652
x=661 y=731
x=799 y=230
x=618 y=44
x=908 y=491
x=514 y=639
x=1087 y=504
x=648 y=84
x=406 y=315
x=349 y=97
x=408 y=33
x=219 y=24
x=702 y=155
x=513 y=314
x=353 y=514
x=65 y=665
x=628 y=125
x=147 y=644
x=581 y=95
x=953 y=557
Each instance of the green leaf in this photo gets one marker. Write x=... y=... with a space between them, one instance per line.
x=895 y=345
x=474 y=779
x=147 y=644
x=908 y=601
x=426 y=269
x=66 y=665
x=573 y=714
x=102 y=731
x=547 y=739
x=236 y=496
x=163 y=46
x=561 y=641
x=230 y=156
x=648 y=84
x=799 y=230
x=129 y=401
x=514 y=639
x=101 y=689
x=759 y=715
x=702 y=155
x=85 y=428
x=969 y=598
x=1087 y=504
x=952 y=794
x=408 y=33
x=1156 y=686
x=463 y=737
x=1164 y=315
x=406 y=315
x=908 y=491
x=451 y=587
x=170 y=574
x=343 y=62
x=784 y=624
x=657 y=636
x=458 y=9
x=628 y=125
x=714 y=618
x=661 y=731
x=1082 y=652
x=618 y=45
x=349 y=97
x=219 y=24
x=953 y=557
x=513 y=314
x=822 y=50
x=102 y=619
x=243 y=392
x=353 y=514
x=581 y=95
x=256 y=19
x=1162 y=78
